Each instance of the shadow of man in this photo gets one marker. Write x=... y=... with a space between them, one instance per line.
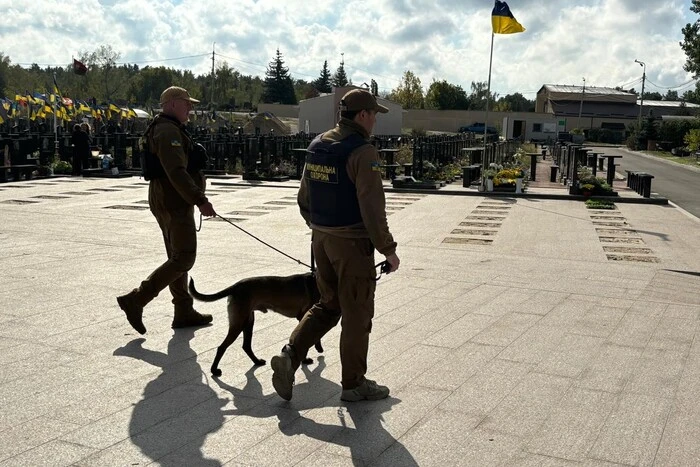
x=178 y=408
x=247 y=397
x=307 y=395
x=367 y=440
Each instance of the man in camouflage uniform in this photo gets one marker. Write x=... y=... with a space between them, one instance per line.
x=342 y=199
x=177 y=184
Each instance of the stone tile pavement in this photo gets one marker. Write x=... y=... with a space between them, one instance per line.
x=518 y=331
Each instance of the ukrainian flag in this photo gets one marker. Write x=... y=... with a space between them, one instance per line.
x=503 y=21
x=83 y=107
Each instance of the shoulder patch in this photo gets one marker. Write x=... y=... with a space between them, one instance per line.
x=375 y=166
x=175 y=143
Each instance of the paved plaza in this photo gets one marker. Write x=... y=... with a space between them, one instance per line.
x=519 y=331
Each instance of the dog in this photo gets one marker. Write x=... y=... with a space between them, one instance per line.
x=290 y=296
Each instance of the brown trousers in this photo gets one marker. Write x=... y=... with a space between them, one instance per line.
x=345 y=276
x=180 y=238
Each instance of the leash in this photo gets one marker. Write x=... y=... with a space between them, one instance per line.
x=384 y=266
x=261 y=241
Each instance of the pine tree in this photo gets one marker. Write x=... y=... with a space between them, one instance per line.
x=340 y=79
x=278 y=86
x=323 y=82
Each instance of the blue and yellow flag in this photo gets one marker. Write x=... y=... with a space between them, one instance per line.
x=503 y=21
x=55 y=86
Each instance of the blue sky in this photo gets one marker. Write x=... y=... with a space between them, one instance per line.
x=565 y=40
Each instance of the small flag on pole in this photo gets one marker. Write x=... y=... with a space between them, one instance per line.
x=55 y=86
x=79 y=68
x=503 y=21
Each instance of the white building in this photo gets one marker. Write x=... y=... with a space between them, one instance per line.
x=319 y=114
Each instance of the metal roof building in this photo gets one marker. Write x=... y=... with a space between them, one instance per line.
x=594 y=107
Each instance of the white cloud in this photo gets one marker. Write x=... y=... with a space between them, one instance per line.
x=436 y=39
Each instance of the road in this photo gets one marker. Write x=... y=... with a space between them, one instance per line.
x=673 y=181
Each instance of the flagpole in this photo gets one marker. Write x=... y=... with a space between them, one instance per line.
x=488 y=95
x=55 y=125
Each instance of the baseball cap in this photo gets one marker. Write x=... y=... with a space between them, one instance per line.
x=359 y=99
x=175 y=92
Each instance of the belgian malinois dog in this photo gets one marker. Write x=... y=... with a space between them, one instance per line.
x=290 y=296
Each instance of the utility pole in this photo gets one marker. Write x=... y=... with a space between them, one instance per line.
x=580 y=109
x=212 y=75
x=641 y=102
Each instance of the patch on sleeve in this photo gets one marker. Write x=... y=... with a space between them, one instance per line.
x=375 y=166
x=175 y=143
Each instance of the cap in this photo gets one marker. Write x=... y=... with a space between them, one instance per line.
x=175 y=92
x=359 y=99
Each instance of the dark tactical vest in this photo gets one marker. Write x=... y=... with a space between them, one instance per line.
x=151 y=168
x=332 y=195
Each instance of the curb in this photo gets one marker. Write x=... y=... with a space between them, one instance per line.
x=488 y=194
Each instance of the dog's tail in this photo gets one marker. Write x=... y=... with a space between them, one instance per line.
x=208 y=297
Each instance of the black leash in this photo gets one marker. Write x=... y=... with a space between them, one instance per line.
x=384 y=266
x=261 y=241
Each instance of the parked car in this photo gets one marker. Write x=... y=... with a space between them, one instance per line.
x=478 y=128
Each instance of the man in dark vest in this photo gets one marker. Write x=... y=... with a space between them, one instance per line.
x=174 y=168
x=342 y=199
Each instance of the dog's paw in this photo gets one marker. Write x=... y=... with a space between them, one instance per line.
x=259 y=362
x=319 y=347
x=307 y=361
x=216 y=372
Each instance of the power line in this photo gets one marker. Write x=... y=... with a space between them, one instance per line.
x=121 y=63
x=634 y=81
x=164 y=59
x=264 y=67
x=673 y=87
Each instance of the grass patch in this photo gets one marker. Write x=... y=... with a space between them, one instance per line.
x=688 y=160
x=599 y=204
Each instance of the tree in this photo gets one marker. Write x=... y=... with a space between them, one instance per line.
x=653 y=96
x=340 y=79
x=442 y=95
x=409 y=93
x=692 y=139
x=691 y=42
x=323 y=82
x=477 y=99
x=4 y=69
x=279 y=87
x=671 y=96
x=515 y=103
x=304 y=89
x=692 y=95
x=152 y=83
x=226 y=82
x=374 y=88
x=105 y=76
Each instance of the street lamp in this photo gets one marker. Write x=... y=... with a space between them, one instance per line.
x=580 y=109
x=644 y=77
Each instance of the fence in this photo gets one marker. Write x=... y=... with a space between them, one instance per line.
x=256 y=154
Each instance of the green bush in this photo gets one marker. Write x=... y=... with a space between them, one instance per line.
x=674 y=131
x=605 y=135
x=599 y=204
x=599 y=185
x=692 y=139
x=404 y=155
x=62 y=167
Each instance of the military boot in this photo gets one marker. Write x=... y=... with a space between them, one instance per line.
x=189 y=317
x=283 y=372
x=133 y=309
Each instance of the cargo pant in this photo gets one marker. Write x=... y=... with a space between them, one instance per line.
x=345 y=276
x=180 y=238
